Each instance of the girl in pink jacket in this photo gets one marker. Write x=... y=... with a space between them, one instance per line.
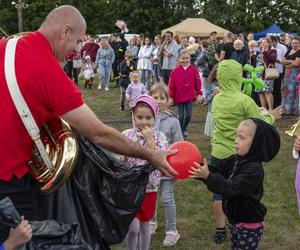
x=184 y=88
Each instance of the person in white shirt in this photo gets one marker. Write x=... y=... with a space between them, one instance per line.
x=281 y=51
x=145 y=62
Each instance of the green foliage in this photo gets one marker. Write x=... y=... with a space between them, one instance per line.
x=150 y=17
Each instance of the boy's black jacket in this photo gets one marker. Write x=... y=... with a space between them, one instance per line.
x=125 y=71
x=241 y=179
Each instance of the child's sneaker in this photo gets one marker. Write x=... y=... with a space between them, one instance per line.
x=171 y=238
x=153 y=227
x=220 y=236
x=185 y=134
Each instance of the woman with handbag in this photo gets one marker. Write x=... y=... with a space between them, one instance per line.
x=290 y=96
x=267 y=58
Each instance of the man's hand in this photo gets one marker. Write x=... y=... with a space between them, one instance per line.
x=159 y=161
x=19 y=236
x=199 y=171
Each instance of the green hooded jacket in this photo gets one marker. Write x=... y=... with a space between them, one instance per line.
x=229 y=107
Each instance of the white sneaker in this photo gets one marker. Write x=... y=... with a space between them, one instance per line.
x=171 y=238
x=153 y=227
x=106 y=89
x=99 y=87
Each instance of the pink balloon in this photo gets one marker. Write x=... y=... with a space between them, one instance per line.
x=183 y=160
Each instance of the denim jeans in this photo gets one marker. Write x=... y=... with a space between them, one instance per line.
x=184 y=114
x=214 y=166
x=156 y=70
x=146 y=78
x=166 y=195
x=105 y=71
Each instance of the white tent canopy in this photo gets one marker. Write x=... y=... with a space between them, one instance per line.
x=197 y=27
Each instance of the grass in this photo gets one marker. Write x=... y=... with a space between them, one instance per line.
x=194 y=207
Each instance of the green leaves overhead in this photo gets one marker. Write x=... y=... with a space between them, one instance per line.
x=151 y=16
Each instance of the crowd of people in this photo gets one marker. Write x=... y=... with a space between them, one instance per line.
x=155 y=60
x=192 y=70
x=151 y=76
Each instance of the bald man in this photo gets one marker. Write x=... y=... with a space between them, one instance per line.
x=48 y=91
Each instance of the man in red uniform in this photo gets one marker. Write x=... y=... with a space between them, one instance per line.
x=47 y=91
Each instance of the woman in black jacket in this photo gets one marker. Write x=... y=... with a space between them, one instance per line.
x=241 y=182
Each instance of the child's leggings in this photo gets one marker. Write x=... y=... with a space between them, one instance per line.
x=244 y=238
x=167 y=198
x=138 y=229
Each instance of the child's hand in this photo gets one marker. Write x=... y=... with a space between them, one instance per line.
x=199 y=171
x=123 y=158
x=200 y=99
x=171 y=102
x=276 y=112
x=19 y=236
x=147 y=132
x=297 y=143
x=215 y=91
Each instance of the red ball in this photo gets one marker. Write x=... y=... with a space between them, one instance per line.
x=182 y=161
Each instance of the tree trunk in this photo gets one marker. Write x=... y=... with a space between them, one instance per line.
x=20 y=15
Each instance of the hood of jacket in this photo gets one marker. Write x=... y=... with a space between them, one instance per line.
x=265 y=144
x=230 y=76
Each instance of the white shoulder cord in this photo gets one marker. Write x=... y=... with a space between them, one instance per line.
x=20 y=103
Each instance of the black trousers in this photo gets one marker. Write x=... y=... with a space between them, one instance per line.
x=165 y=74
x=277 y=90
x=23 y=196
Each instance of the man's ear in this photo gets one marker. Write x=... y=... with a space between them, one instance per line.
x=65 y=30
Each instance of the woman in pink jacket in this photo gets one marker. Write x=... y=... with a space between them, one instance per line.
x=184 y=88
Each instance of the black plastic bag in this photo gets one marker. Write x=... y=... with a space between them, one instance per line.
x=102 y=195
x=9 y=216
x=47 y=234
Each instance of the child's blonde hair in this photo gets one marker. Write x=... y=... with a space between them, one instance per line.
x=160 y=88
x=183 y=52
x=132 y=73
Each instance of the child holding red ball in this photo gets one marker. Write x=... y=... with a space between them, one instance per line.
x=241 y=181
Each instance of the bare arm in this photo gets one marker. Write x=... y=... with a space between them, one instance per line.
x=86 y=122
x=222 y=55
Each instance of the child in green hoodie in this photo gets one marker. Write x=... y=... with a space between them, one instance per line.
x=230 y=106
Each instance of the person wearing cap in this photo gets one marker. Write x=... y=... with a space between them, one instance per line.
x=168 y=53
x=227 y=47
x=250 y=37
x=213 y=48
x=282 y=37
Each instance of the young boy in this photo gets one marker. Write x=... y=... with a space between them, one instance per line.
x=241 y=181
x=127 y=66
x=18 y=236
